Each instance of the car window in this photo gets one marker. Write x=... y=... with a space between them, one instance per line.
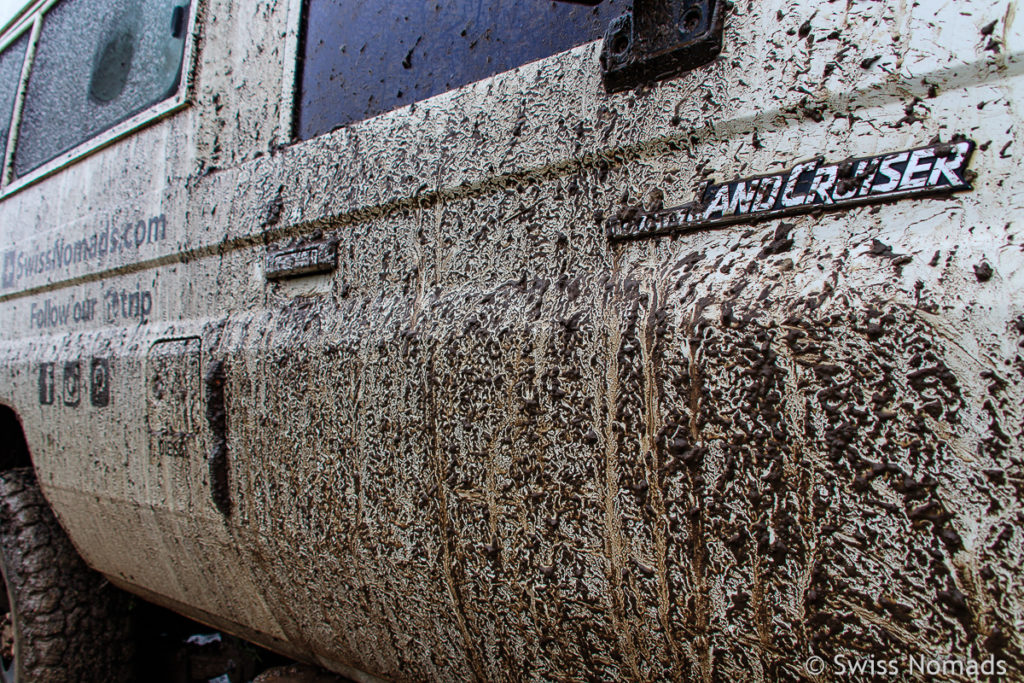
x=11 y=61
x=97 y=63
x=365 y=57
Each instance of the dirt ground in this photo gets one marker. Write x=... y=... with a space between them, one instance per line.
x=173 y=649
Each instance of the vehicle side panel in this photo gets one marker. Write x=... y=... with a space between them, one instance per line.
x=491 y=444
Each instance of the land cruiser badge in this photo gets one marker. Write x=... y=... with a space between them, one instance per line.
x=810 y=186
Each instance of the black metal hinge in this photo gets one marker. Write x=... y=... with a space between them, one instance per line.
x=659 y=39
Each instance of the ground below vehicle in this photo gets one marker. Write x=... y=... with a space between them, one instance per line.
x=407 y=397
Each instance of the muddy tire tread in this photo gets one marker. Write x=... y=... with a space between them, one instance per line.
x=71 y=624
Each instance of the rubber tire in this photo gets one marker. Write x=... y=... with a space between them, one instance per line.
x=70 y=624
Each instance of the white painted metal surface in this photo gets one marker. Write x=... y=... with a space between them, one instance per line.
x=492 y=444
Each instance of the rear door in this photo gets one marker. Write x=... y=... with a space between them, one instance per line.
x=573 y=404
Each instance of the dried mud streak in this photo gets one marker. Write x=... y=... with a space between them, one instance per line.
x=613 y=532
x=651 y=353
x=698 y=572
x=357 y=545
x=448 y=540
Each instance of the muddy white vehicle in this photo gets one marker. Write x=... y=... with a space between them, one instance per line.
x=517 y=340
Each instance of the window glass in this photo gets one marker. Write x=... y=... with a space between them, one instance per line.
x=365 y=57
x=97 y=63
x=10 y=75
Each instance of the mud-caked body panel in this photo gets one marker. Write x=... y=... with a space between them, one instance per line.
x=491 y=443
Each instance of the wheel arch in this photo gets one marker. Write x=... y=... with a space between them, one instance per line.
x=15 y=453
